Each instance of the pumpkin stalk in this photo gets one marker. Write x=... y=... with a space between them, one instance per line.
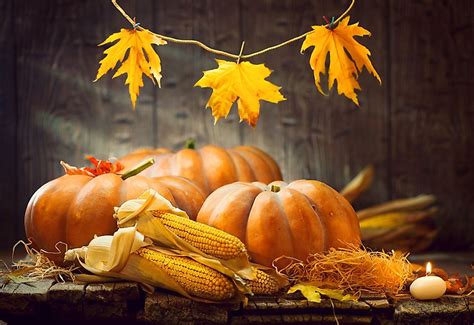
x=138 y=168
x=190 y=144
x=275 y=188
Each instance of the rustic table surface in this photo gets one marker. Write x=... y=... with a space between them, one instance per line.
x=125 y=302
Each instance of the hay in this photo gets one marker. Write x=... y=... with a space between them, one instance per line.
x=355 y=270
x=36 y=266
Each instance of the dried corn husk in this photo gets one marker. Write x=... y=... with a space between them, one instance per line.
x=113 y=257
x=416 y=203
x=359 y=184
x=403 y=224
x=406 y=225
x=139 y=213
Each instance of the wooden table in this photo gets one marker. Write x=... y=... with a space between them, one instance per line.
x=124 y=302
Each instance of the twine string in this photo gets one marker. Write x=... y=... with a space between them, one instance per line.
x=239 y=56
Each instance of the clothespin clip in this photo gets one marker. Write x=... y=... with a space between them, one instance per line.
x=329 y=23
x=135 y=24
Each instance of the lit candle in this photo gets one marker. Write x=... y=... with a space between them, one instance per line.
x=428 y=287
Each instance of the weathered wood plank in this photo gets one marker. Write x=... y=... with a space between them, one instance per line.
x=446 y=310
x=168 y=308
x=123 y=301
x=432 y=114
x=24 y=299
x=8 y=120
x=310 y=135
x=66 y=299
x=181 y=113
x=62 y=114
x=110 y=300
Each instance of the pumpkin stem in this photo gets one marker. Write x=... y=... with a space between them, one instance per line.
x=138 y=168
x=190 y=144
x=275 y=188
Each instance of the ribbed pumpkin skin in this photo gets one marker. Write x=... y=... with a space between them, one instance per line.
x=304 y=217
x=73 y=208
x=211 y=166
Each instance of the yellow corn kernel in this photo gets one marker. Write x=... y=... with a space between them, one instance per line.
x=196 y=279
x=263 y=284
x=208 y=239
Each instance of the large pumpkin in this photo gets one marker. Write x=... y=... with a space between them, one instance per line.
x=281 y=219
x=73 y=208
x=211 y=166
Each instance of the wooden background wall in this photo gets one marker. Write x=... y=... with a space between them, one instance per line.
x=416 y=128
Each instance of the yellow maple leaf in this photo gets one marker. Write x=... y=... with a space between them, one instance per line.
x=313 y=293
x=245 y=81
x=343 y=68
x=141 y=59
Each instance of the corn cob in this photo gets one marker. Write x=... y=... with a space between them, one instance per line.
x=263 y=284
x=196 y=279
x=208 y=239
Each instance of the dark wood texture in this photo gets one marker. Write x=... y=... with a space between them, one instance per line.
x=432 y=115
x=417 y=127
x=8 y=120
x=125 y=303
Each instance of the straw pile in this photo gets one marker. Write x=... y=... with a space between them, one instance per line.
x=353 y=270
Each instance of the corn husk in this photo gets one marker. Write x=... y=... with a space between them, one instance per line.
x=138 y=213
x=112 y=257
x=403 y=224
x=416 y=203
x=359 y=184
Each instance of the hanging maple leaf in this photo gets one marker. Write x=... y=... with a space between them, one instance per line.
x=245 y=81
x=141 y=59
x=347 y=57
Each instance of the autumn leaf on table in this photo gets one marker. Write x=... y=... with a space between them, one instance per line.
x=141 y=59
x=243 y=81
x=347 y=57
x=313 y=293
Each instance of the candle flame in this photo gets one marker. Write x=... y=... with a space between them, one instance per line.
x=428 y=268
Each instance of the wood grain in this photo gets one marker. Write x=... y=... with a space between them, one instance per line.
x=125 y=302
x=8 y=120
x=181 y=113
x=417 y=128
x=310 y=135
x=62 y=115
x=432 y=114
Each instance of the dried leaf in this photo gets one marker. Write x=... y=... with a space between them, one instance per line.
x=245 y=81
x=141 y=59
x=347 y=57
x=454 y=284
x=100 y=167
x=313 y=293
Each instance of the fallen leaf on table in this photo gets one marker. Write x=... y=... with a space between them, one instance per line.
x=454 y=285
x=313 y=293
x=347 y=57
x=243 y=81
x=141 y=59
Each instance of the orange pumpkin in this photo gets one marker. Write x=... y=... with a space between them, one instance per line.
x=281 y=219
x=211 y=166
x=73 y=208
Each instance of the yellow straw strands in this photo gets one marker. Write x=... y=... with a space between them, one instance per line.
x=353 y=270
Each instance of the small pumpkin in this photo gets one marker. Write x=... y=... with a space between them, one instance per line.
x=211 y=166
x=280 y=219
x=73 y=208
